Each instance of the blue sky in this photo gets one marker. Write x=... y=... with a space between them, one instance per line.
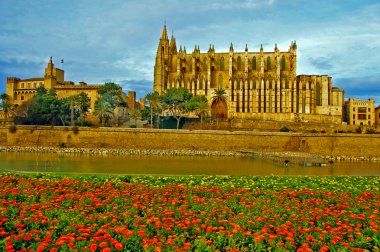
x=116 y=40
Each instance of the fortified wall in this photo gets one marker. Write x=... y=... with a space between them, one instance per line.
x=355 y=145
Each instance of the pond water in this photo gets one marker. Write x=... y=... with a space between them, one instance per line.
x=158 y=165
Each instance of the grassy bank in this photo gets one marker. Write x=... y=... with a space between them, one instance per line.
x=195 y=213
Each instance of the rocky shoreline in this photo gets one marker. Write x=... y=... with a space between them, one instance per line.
x=288 y=156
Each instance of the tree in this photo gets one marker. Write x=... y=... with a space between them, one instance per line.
x=78 y=106
x=103 y=110
x=199 y=105
x=175 y=99
x=135 y=115
x=45 y=108
x=219 y=95
x=6 y=106
x=110 y=93
x=154 y=102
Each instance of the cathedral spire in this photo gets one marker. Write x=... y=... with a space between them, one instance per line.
x=164 y=33
x=173 y=45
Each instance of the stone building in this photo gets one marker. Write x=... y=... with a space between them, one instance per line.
x=377 y=115
x=259 y=85
x=358 y=112
x=21 y=90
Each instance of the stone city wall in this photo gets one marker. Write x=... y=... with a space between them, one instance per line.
x=354 y=145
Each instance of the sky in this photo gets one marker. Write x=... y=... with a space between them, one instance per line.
x=116 y=40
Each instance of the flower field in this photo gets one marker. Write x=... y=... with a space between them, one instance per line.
x=41 y=212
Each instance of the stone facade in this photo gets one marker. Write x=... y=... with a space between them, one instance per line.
x=377 y=114
x=22 y=90
x=358 y=112
x=255 y=82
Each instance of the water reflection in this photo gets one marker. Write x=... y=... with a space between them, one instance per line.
x=44 y=162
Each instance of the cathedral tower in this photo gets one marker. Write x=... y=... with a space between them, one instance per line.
x=162 y=60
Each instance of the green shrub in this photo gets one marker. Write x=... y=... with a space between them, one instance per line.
x=12 y=129
x=314 y=131
x=359 y=130
x=62 y=145
x=132 y=126
x=284 y=129
x=370 y=131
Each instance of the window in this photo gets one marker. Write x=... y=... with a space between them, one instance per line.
x=362 y=110
x=34 y=85
x=238 y=84
x=268 y=63
x=22 y=97
x=353 y=122
x=362 y=116
x=221 y=64
x=254 y=63
x=220 y=81
x=369 y=123
x=283 y=65
x=353 y=109
x=369 y=117
x=29 y=85
x=239 y=63
x=270 y=82
x=22 y=85
x=369 y=109
x=205 y=64
x=353 y=116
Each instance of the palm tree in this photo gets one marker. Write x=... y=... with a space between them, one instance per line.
x=219 y=95
x=6 y=106
x=202 y=110
x=134 y=115
x=103 y=110
x=154 y=102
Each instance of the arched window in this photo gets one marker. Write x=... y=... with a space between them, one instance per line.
x=238 y=84
x=220 y=81
x=221 y=64
x=205 y=64
x=268 y=63
x=191 y=66
x=22 y=98
x=283 y=65
x=253 y=63
x=239 y=63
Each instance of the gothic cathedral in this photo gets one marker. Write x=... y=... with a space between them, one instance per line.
x=259 y=85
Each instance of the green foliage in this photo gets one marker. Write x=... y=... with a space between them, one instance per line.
x=154 y=101
x=6 y=107
x=219 y=94
x=110 y=97
x=135 y=115
x=314 y=131
x=188 y=213
x=370 y=131
x=132 y=126
x=103 y=110
x=285 y=129
x=359 y=129
x=175 y=99
x=62 y=145
x=45 y=109
x=199 y=105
